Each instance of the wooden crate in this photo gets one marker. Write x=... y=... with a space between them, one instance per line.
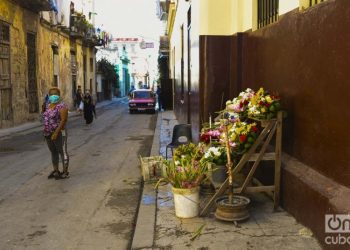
x=152 y=167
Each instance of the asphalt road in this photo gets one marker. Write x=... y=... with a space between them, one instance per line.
x=96 y=207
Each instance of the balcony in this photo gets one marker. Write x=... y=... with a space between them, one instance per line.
x=163 y=9
x=90 y=39
x=35 y=5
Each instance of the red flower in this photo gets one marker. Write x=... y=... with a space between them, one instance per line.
x=205 y=138
x=246 y=102
x=267 y=105
x=261 y=103
x=242 y=138
x=254 y=129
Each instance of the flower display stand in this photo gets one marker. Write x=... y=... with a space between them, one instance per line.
x=256 y=154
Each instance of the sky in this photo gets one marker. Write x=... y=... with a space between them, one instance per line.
x=126 y=18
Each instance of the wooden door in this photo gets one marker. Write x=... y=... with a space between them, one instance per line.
x=5 y=80
x=32 y=82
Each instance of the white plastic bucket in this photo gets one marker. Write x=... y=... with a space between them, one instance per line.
x=186 y=202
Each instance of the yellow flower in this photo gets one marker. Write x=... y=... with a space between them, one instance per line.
x=263 y=110
x=268 y=99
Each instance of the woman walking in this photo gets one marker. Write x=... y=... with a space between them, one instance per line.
x=55 y=118
x=88 y=108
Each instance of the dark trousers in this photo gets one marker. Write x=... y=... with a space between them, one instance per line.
x=58 y=148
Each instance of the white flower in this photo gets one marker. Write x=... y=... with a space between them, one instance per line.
x=177 y=163
x=215 y=151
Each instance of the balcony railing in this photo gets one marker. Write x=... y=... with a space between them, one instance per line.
x=35 y=5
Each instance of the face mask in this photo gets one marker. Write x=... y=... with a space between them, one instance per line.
x=54 y=98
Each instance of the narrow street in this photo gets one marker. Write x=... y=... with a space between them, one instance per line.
x=95 y=208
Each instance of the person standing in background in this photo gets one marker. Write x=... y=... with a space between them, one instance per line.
x=78 y=98
x=159 y=97
x=88 y=108
x=55 y=118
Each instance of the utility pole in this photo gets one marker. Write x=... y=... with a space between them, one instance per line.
x=93 y=12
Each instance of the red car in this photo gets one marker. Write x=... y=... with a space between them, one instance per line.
x=142 y=100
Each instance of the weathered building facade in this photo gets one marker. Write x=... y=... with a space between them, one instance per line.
x=37 y=53
x=298 y=48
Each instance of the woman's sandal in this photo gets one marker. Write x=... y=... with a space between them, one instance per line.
x=54 y=174
x=64 y=175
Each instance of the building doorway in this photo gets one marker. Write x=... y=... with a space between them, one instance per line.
x=189 y=66
x=32 y=84
x=5 y=80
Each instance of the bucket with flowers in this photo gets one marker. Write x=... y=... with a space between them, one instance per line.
x=185 y=172
x=217 y=159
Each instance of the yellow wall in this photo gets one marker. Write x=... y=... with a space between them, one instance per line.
x=216 y=17
x=287 y=5
x=45 y=39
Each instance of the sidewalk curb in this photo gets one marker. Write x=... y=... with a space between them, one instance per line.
x=146 y=217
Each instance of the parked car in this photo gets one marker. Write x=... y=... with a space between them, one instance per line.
x=142 y=100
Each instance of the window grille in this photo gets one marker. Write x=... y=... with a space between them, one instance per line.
x=314 y=2
x=4 y=33
x=267 y=12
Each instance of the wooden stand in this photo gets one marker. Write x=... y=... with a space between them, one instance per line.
x=272 y=127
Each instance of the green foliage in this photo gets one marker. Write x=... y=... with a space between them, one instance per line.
x=188 y=167
x=108 y=71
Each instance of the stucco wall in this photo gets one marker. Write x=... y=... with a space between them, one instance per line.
x=46 y=39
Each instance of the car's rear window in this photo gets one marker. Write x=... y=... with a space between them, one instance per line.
x=141 y=94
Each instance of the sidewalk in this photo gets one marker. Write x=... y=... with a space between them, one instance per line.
x=158 y=228
x=30 y=126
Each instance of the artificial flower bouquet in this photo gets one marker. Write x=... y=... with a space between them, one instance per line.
x=241 y=136
x=238 y=107
x=210 y=135
x=188 y=168
x=263 y=105
x=216 y=155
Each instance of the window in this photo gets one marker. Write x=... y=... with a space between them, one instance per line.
x=91 y=64
x=313 y=2
x=267 y=12
x=55 y=65
x=304 y=4
x=5 y=79
x=4 y=33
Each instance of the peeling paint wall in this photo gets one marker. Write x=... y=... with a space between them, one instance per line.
x=47 y=39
